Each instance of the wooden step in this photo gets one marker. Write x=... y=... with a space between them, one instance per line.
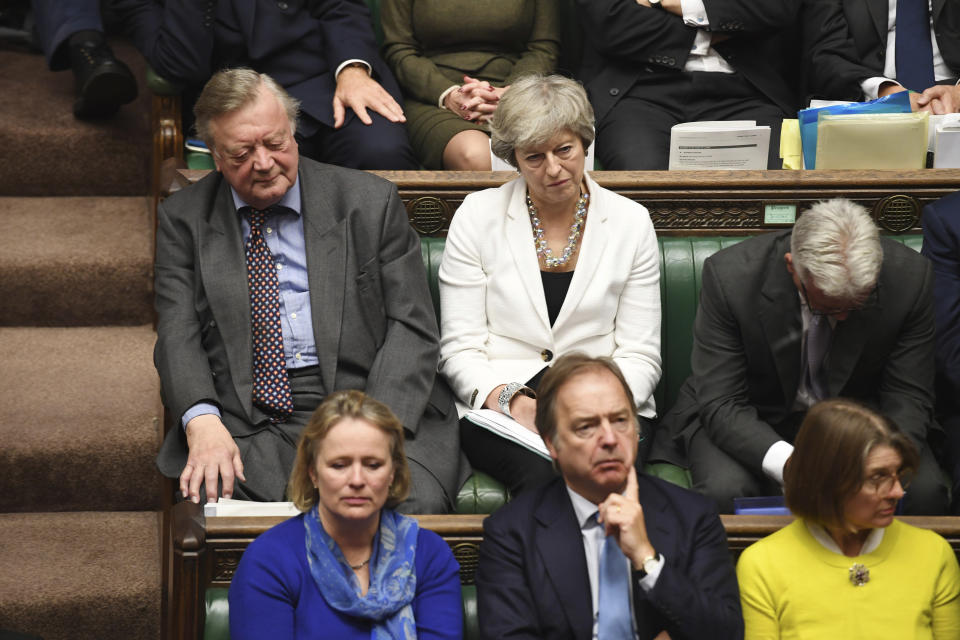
x=76 y=261
x=80 y=419
x=81 y=575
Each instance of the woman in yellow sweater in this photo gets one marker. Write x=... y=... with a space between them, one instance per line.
x=846 y=568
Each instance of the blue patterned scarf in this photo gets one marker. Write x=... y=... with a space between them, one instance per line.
x=393 y=578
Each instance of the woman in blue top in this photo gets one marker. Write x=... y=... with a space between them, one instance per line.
x=348 y=566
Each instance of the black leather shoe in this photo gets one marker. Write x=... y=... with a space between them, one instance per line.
x=103 y=82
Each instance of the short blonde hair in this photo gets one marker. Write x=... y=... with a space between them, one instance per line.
x=231 y=89
x=534 y=110
x=336 y=407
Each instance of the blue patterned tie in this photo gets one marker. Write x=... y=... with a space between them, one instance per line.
x=914 y=52
x=271 y=387
x=614 y=621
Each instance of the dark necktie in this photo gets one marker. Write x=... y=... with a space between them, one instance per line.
x=914 y=52
x=819 y=333
x=614 y=621
x=271 y=387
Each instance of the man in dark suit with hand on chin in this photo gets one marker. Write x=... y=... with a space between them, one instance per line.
x=602 y=551
x=280 y=280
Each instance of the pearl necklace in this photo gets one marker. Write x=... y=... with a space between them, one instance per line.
x=543 y=251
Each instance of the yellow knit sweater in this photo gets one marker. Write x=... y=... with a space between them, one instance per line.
x=792 y=587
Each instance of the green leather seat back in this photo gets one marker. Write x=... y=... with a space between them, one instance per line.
x=217 y=625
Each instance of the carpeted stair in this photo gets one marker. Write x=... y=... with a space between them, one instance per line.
x=79 y=399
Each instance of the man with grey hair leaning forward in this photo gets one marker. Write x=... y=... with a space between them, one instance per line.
x=603 y=551
x=825 y=309
x=280 y=280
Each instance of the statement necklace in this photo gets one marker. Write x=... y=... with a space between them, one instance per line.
x=543 y=251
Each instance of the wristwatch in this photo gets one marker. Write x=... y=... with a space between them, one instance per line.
x=509 y=391
x=656 y=4
x=648 y=565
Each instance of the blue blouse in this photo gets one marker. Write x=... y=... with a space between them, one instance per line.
x=273 y=595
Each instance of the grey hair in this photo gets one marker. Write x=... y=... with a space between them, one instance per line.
x=837 y=245
x=232 y=89
x=535 y=109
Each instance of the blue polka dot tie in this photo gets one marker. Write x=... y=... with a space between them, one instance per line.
x=271 y=387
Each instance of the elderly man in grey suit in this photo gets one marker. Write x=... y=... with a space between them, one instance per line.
x=279 y=280
x=825 y=309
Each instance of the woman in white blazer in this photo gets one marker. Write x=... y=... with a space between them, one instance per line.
x=546 y=264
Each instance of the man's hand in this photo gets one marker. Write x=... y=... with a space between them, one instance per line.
x=939 y=99
x=357 y=90
x=889 y=88
x=622 y=517
x=212 y=455
x=671 y=6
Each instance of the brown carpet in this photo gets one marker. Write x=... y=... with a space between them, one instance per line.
x=76 y=261
x=45 y=151
x=79 y=419
x=81 y=576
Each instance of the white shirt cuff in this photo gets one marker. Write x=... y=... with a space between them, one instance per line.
x=346 y=63
x=694 y=13
x=774 y=459
x=871 y=87
x=443 y=96
x=649 y=581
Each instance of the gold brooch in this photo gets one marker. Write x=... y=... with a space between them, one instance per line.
x=859 y=575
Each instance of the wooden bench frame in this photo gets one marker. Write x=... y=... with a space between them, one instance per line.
x=206 y=551
x=685 y=202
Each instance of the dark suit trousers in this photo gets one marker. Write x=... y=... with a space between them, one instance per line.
x=58 y=20
x=382 y=145
x=720 y=477
x=268 y=456
x=635 y=133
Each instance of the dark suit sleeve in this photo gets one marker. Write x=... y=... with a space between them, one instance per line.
x=179 y=354
x=833 y=70
x=906 y=386
x=697 y=593
x=719 y=363
x=941 y=244
x=403 y=372
x=347 y=30
x=176 y=37
x=505 y=603
x=622 y=30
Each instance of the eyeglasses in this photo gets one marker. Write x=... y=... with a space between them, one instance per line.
x=882 y=483
x=872 y=299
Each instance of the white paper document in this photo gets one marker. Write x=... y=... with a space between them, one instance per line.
x=733 y=144
x=946 y=151
x=508 y=428
x=227 y=507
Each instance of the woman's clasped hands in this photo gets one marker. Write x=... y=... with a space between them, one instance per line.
x=474 y=100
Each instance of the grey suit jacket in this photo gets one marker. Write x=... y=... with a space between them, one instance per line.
x=746 y=352
x=373 y=321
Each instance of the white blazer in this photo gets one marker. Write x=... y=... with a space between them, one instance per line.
x=494 y=327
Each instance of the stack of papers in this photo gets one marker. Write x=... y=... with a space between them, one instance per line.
x=733 y=144
x=946 y=147
x=510 y=429
x=228 y=507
